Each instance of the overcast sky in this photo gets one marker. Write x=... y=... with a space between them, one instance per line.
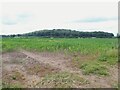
x=28 y=17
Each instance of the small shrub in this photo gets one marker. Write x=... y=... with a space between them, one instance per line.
x=14 y=78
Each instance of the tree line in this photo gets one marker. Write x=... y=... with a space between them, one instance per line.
x=64 y=33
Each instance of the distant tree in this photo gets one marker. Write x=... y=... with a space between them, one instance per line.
x=117 y=34
x=65 y=33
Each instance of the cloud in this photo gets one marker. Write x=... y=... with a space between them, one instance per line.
x=95 y=19
x=13 y=20
x=23 y=17
x=8 y=21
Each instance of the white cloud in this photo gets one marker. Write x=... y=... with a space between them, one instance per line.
x=9 y=21
x=15 y=19
x=95 y=19
x=27 y=17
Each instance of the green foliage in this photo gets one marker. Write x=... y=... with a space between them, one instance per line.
x=102 y=58
x=110 y=56
x=82 y=45
x=64 y=33
x=94 y=68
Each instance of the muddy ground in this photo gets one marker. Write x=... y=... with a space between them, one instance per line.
x=27 y=69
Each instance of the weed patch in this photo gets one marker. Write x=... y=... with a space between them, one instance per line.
x=94 y=68
x=111 y=57
x=62 y=80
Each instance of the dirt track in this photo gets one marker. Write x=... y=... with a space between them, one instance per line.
x=30 y=67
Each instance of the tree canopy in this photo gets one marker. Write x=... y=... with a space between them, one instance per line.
x=64 y=33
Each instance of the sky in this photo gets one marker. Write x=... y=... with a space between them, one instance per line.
x=24 y=17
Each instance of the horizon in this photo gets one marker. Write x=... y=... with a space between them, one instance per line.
x=57 y=29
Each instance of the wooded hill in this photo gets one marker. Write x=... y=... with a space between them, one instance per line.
x=64 y=33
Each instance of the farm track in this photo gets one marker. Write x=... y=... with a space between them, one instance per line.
x=56 y=62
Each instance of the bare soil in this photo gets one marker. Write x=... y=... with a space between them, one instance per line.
x=27 y=68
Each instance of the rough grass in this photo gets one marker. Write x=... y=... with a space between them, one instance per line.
x=11 y=85
x=96 y=64
x=62 y=80
x=94 y=68
x=110 y=56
